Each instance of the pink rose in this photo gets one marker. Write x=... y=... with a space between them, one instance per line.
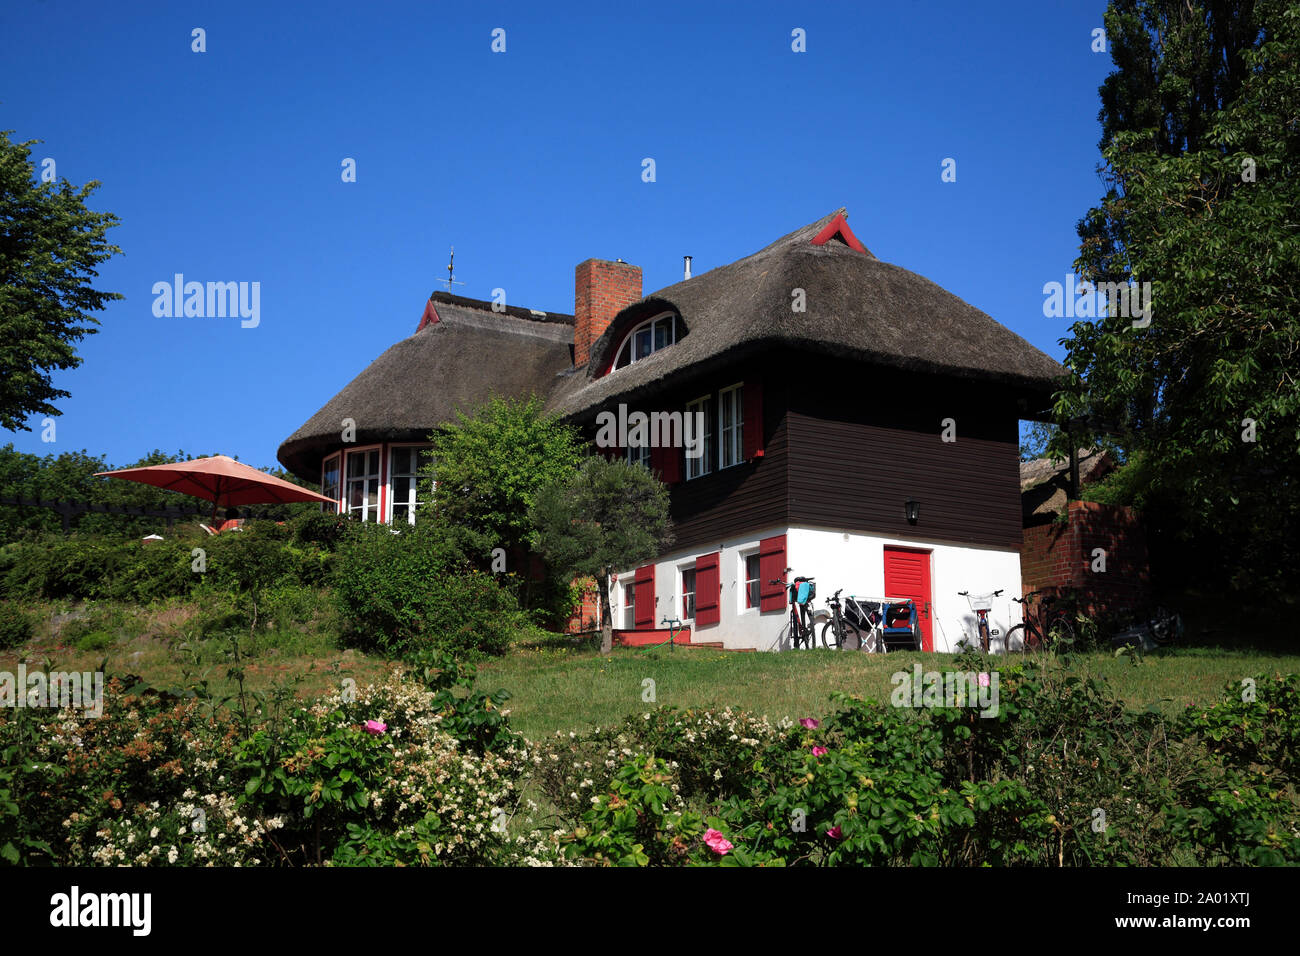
x=819 y=751
x=984 y=680
x=833 y=833
x=812 y=723
x=716 y=842
x=375 y=726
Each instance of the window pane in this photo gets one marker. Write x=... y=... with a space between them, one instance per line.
x=662 y=331
x=643 y=343
x=624 y=355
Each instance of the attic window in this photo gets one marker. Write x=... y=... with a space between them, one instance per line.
x=646 y=339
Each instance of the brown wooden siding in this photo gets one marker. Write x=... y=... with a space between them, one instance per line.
x=750 y=497
x=845 y=445
x=860 y=445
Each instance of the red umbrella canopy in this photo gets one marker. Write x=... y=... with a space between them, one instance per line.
x=218 y=479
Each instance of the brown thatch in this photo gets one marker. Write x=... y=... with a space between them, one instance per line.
x=857 y=307
x=469 y=355
x=1045 y=482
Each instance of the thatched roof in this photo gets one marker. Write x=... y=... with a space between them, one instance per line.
x=469 y=354
x=1045 y=482
x=856 y=307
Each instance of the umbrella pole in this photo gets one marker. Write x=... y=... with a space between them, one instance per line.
x=216 y=500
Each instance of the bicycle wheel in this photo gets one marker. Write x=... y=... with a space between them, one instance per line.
x=984 y=635
x=850 y=638
x=801 y=636
x=873 y=642
x=1018 y=635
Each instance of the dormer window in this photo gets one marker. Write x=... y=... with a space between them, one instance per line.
x=647 y=338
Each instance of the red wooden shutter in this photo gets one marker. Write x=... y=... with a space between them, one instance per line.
x=645 y=597
x=708 y=600
x=753 y=428
x=771 y=567
x=658 y=460
x=670 y=465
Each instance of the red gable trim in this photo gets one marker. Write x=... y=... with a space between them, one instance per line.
x=430 y=316
x=838 y=227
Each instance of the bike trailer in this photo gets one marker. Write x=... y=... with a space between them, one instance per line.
x=902 y=630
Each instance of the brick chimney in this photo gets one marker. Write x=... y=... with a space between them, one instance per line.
x=601 y=290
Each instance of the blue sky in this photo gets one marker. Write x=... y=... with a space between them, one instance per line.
x=225 y=165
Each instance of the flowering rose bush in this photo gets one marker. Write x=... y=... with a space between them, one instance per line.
x=413 y=794
x=205 y=830
x=710 y=754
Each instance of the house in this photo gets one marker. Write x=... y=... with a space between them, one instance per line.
x=1094 y=551
x=859 y=425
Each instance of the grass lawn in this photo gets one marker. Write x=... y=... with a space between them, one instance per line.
x=558 y=686
x=561 y=688
x=159 y=644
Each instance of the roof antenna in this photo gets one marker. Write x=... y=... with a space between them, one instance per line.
x=451 y=276
x=688 y=268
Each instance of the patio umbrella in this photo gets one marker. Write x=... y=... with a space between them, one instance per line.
x=218 y=479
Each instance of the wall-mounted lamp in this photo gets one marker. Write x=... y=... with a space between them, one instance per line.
x=913 y=510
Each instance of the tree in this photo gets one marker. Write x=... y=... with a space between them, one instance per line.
x=1201 y=143
x=50 y=244
x=608 y=517
x=488 y=467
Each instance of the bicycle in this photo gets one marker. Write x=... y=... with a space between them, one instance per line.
x=841 y=633
x=1052 y=631
x=1150 y=629
x=802 y=591
x=983 y=614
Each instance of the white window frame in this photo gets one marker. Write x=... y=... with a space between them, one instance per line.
x=378 y=477
x=629 y=340
x=628 y=604
x=413 y=490
x=682 y=571
x=745 y=608
x=639 y=456
x=338 y=481
x=703 y=465
x=735 y=441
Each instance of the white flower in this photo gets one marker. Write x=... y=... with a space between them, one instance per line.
x=172 y=855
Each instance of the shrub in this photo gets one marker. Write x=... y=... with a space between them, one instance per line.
x=16 y=625
x=399 y=593
x=372 y=777
x=316 y=528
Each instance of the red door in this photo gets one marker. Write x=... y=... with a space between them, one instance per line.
x=907 y=575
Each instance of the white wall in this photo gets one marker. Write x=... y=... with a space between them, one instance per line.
x=856 y=563
x=837 y=559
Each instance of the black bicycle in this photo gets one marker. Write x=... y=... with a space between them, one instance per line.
x=1052 y=631
x=801 y=592
x=858 y=631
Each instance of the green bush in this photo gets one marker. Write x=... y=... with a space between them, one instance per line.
x=401 y=593
x=265 y=556
x=16 y=625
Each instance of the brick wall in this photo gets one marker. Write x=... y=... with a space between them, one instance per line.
x=1059 y=556
x=587 y=616
x=601 y=290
